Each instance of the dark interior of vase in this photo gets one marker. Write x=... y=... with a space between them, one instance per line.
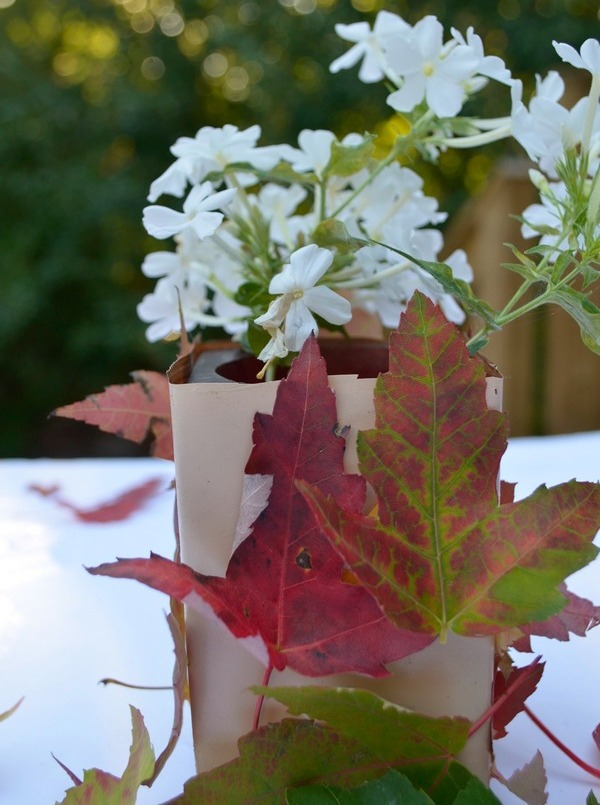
x=357 y=357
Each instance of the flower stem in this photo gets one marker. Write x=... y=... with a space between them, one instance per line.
x=261 y=698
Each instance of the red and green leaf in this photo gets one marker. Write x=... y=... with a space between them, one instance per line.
x=577 y=617
x=133 y=411
x=101 y=788
x=442 y=553
x=286 y=588
x=357 y=737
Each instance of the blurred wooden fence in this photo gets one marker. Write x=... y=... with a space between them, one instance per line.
x=552 y=382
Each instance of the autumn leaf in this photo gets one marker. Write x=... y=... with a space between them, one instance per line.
x=442 y=553
x=101 y=788
x=577 y=617
x=133 y=411
x=512 y=691
x=529 y=782
x=117 y=509
x=285 y=590
x=357 y=737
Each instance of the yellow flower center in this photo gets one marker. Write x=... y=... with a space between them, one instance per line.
x=428 y=68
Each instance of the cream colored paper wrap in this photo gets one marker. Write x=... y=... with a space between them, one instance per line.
x=212 y=429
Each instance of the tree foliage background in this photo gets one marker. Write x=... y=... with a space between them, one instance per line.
x=93 y=93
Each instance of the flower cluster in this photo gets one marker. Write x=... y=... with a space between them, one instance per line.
x=276 y=241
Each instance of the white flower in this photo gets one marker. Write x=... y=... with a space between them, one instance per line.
x=315 y=151
x=588 y=57
x=369 y=45
x=301 y=297
x=547 y=129
x=161 y=308
x=173 y=181
x=393 y=200
x=198 y=213
x=430 y=70
x=275 y=348
x=277 y=204
x=489 y=66
x=213 y=149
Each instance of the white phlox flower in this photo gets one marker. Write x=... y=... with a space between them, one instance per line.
x=161 y=307
x=547 y=129
x=393 y=200
x=430 y=70
x=173 y=181
x=213 y=149
x=369 y=45
x=588 y=57
x=299 y=297
x=198 y=213
x=314 y=151
x=277 y=205
x=488 y=66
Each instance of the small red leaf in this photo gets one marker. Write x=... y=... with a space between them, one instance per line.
x=578 y=617
x=513 y=692
x=596 y=736
x=131 y=411
x=285 y=588
x=120 y=508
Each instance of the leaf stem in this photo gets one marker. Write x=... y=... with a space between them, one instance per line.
x=557 y=742
x=261 y=698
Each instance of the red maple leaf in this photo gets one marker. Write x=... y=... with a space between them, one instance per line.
x=285 y=584
x=130 y=411
x=442 y=553
x=119 y=508
x=511 y=692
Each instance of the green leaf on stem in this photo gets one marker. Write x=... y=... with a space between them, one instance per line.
x=332 y=233
x=442 y=554
x=345 y=160
x=460 y=289
x=585 y=313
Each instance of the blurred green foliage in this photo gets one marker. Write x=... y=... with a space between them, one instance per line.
x=93 y=93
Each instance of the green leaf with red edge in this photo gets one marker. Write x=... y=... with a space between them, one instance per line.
x=133 y=411
x=285 y=589
x=363 y=736
x=511 y=692
x=101 y=788
x=577 y=617
x=442 y=553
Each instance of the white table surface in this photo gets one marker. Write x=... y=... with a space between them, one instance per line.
x=62 y=630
